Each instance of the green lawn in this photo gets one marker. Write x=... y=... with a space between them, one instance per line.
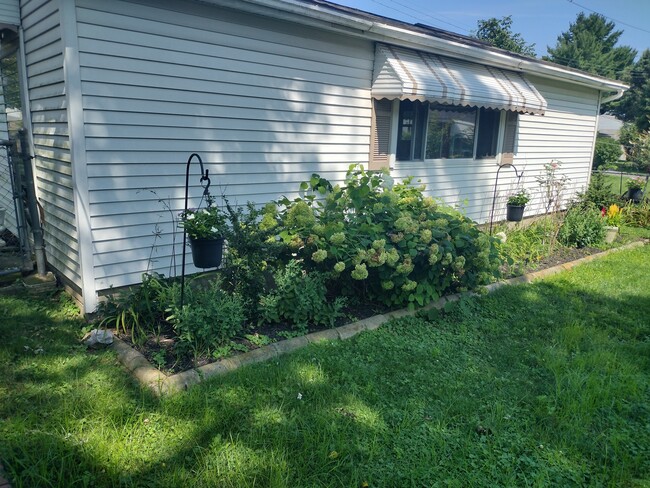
x=617 y=184
x=536 y=385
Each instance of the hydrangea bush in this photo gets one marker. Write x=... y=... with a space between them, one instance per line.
x=383 y=240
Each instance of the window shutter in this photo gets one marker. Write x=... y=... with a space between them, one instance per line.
x=509 y=138
x=380 y=134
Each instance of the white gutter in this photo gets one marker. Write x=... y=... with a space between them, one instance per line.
x=318 y=16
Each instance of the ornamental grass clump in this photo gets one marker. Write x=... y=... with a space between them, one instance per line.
x=383 y=240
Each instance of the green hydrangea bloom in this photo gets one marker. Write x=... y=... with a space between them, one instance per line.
x=379 y=244
x=339 y=267
x=359 y=272
x=319 y=256
x=409 y=285
x=406 y=267
x=300 y=215
x=387 y=285
x=376 y=258
x=459 y=263
x=268 y=222
x=425 y=236
x=392 y=257
x=337 y=238
x=360 y=257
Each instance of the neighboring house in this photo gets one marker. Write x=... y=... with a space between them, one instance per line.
x=609 y=126
x=268 y=92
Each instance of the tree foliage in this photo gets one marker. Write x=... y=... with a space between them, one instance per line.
x=498 y=32
x=635 y=104
x=590 y=45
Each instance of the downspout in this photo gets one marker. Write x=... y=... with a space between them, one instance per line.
x=619 y=93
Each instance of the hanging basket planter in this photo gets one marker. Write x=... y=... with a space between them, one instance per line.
x=207 y=253
x=635 y=194
x=515 y=213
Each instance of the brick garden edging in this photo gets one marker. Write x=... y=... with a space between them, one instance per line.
x=162 y=384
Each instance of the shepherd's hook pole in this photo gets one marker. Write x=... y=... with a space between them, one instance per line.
x=496 y=183
x=204 y=177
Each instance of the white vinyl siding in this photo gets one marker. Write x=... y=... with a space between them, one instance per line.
x=264 y=103
x=44 y=60
x=10 y=12
x=6 y=193
x=566 y=133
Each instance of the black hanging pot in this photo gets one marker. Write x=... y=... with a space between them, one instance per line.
x=515 y=213
x=635 y=195
x=207 y=253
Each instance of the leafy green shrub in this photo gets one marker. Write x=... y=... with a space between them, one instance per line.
x=583 y=226
x=607 y=151
x=209 y=318
x=385 y=241
x=249 y=253
x=599 y=193
x=300 y=298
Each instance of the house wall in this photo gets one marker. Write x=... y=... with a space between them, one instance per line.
x=50 y=134
x=10 y=12
x=264 y=103
x=6 y=193
x=566 y=133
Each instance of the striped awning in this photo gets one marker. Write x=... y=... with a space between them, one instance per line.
x=414 y=75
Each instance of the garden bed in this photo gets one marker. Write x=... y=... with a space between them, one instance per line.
x=159 y=350
x=140 y=364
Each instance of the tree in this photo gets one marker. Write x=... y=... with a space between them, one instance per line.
x=635 y=104
x=590 y=45
x=498 y=32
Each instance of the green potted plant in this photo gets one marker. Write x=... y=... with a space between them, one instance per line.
x=516 y=205
x=613 y=216
x=634 y=188
x=204 y=227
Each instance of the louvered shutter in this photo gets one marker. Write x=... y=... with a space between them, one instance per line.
x=509 y=138
x=380 y=135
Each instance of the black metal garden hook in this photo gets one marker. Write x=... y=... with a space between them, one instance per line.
x=206 y=193
x=496 y=183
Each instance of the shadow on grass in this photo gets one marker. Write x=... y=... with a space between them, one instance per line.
x=541 y=384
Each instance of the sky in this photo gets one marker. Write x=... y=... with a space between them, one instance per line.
x=538 y=21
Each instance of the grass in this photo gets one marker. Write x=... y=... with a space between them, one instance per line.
x=537 y=385
x=617 y=184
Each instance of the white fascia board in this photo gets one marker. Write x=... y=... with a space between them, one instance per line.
x=315 y=15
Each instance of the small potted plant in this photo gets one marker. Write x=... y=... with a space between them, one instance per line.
x=204 y=227
x=612 y=216
x=634 y=188
x=516 y=205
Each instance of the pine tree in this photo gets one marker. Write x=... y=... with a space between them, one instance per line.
x=635 y=104
x=590 y=45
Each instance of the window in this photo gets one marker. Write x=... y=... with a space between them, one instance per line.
x=435 y=131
